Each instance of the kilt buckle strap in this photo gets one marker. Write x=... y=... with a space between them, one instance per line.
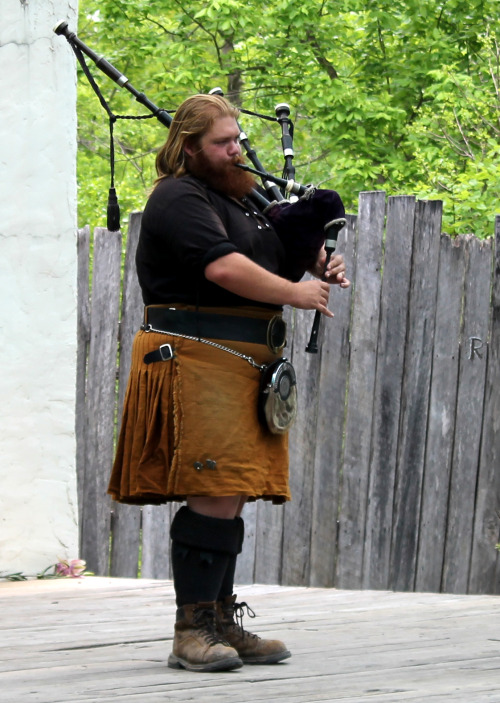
x=163 y=353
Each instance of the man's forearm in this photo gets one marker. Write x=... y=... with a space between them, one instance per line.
x=242 y=276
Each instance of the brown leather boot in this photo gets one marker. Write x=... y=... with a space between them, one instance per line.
x=198 y=646
x=251 y=648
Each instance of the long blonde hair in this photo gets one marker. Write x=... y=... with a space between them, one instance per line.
x=193 y=118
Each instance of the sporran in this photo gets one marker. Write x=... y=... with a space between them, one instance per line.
x=277 y=404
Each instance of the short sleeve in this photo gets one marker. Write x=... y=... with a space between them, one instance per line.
x=194 y=232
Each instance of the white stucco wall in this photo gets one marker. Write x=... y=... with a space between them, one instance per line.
x=38 y=506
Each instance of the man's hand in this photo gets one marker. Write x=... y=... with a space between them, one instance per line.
x=311 y=295
x=335 y=271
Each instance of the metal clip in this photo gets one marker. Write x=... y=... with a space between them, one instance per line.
x=166 y=352
x=276 y=334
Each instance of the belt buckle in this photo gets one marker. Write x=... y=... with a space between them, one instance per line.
x=276 y=334
x=166 y=352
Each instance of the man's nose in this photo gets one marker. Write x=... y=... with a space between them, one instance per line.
x=235 y=148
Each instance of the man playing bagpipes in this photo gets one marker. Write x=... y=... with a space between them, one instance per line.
x=215 y=274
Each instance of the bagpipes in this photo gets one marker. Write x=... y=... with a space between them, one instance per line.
x=305 y=218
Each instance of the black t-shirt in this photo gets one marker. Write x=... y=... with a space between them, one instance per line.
x=185 y=226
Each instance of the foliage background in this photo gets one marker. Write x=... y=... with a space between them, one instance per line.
x=401 y=96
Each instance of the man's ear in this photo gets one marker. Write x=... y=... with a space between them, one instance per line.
x=190 y=147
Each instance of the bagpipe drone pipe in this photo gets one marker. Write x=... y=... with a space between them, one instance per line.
x=305 y=218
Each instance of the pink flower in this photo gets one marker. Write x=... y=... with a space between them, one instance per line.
x=74 y=568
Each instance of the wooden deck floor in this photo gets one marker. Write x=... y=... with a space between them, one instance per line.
x=98 y=640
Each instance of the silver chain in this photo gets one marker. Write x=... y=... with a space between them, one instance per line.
x=251 y=361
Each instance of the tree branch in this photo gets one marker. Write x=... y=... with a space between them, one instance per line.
x=161 y=26
x=319 y=56
x=203 y=29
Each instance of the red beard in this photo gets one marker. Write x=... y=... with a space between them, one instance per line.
x=227 y=178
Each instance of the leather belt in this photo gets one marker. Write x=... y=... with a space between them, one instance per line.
x=192 y=323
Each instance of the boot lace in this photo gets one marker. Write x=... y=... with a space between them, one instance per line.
x=239 y=613
x=207 y=620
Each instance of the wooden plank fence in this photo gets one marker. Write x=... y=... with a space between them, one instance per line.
x=395 y=457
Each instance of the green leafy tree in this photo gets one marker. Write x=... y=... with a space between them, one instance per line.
x=399 y=96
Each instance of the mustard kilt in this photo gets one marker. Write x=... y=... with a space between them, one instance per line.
x=190 y=425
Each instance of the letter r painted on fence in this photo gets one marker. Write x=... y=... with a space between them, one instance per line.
x=475 y=344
